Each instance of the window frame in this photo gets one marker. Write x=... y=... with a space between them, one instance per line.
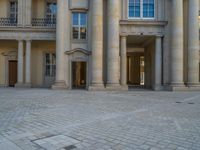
x=79 y=26
x=141 y=12
x=15 y=12
x=52 y=66
x=50 y=15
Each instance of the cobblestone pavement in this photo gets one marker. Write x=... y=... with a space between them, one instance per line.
x=42 y=119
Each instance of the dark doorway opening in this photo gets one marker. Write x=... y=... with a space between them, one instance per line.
x=135 y=70
x=12 y=73
x=79 y=75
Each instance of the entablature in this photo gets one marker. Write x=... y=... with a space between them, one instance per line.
x=130 y=27
x=27 y=33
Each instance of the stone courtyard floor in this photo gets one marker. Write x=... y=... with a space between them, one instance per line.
x=42 y=119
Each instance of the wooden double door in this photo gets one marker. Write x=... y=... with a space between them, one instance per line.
x=12 y=65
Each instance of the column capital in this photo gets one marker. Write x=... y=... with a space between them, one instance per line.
x=28 y=40
x=19 y=40
x=123 y=35
x=159 y=36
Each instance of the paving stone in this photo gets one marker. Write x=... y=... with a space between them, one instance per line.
x=35 y=119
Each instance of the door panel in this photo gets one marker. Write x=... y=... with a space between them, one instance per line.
x=12 y=73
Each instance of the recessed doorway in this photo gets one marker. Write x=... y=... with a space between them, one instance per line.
x=79 y=74
x=135 y=69
x=12 y=73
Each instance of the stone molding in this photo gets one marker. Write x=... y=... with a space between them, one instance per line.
x=132 y=27
x=15 y=35
x=86 y=52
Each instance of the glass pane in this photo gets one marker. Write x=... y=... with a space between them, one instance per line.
x=53 y=59
x=83 y=18
x=54 y=70
x=75 y=32
x=83 y=32
x=148 y=8
x=47 y=59
x=47 y=73
x=53 y=8
x=75 y=19
x=134 y=8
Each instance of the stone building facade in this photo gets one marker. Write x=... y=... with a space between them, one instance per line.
x=100 y=44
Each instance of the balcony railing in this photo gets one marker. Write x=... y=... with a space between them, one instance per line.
x=8 y=22
x=44 y=22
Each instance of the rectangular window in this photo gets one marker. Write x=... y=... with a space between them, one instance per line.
x=13 y=11
x=50 y=65
x=79 y=25
x=141 y=9
x=51 y=10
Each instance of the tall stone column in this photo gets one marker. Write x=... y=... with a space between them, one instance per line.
x=20 y=13
x=20 y=64
x=62 y=8
x=97 y=45
x=193 y=43
x=28 y=64
x=158 y=63
x=123 y=67
x=28 y=8
x=113 y=45
x=177 y=45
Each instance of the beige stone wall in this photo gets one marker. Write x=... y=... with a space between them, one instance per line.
x=3 y=8
x=79 y=4
x=2 y=68
x=5 y=48
x=38 y=8
x=39 y=48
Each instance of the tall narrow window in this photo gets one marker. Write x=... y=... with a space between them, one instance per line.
x=51 y=11
x=13 y=11
x=50 y=65
x=79 y=25
x=141 y=9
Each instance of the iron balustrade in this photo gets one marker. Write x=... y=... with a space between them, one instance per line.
x=8 y=22
x=44 y=22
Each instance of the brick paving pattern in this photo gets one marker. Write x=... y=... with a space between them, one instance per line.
x=42 y=119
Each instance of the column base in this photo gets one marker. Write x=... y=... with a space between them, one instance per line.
x=96 y=87
x=59 y=85
x=178 y=87
x=193 y=86
x=116 y=87
x=158 y=88
x=23 y=85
